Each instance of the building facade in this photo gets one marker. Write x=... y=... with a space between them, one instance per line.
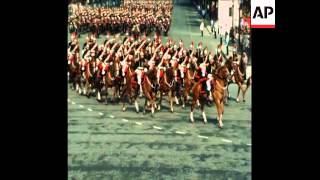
x=228 y=15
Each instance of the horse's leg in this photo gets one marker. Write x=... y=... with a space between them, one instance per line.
x=192 y=108
x=176 y=94
x=98 y=94
x=203 y=113
x=219 y=109
x=222 y=107
x=68 y=74
x=185 y=96
x=247 y=87
x=152 y=107
x=74 y=81
x=229 y=96
x=243 y=93
x=81 y=84
x=130 y=95
x=136 y=105
x=238 y=93
x=106 y=87
x=145 y=105
x=176 y=99
x=159 y=106
x=123 y=96
x=114 y=94
x=119 y=86
x=89 y=90
x=171 y=101
x=85 y=88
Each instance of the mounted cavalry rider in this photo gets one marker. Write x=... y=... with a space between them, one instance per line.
x=73 y=49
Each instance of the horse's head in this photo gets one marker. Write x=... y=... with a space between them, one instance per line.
x=170 y=74
x=152 y=75
x=224 y=73
x=115 y=68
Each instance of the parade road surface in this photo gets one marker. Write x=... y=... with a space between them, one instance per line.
x=106 y=143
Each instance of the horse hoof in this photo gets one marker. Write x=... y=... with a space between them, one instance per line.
x=137 y=112
x=244 y=100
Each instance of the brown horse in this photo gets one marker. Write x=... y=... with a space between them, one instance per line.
x=80 y=76
x=239 y=79
x=148 y=86
x=218 y=92
x=73 y=66
x=130 y=89
x=188 y=83
x=219 y=82
x=167 y=86
x=90 y=71
x=110 y=80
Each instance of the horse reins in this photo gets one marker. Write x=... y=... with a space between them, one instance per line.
x=109 y=75
x=190 y=75
x=149 y=81
x=165 y=80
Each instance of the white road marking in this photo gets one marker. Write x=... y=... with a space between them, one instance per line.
x=81 y=106
x=89 y=109
x=180 y=132
x=156 y=127
x=248 y=144
x=138 y=123
x=124 y=120
x=111 y=116
x=73 y=102
x=100 y=113
x=226 y=140
x=203 y=137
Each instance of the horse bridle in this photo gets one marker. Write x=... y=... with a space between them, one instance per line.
x=149 y=81
x=165 y=80
x=217 y=82
x=190 y=75
x=109 y=75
